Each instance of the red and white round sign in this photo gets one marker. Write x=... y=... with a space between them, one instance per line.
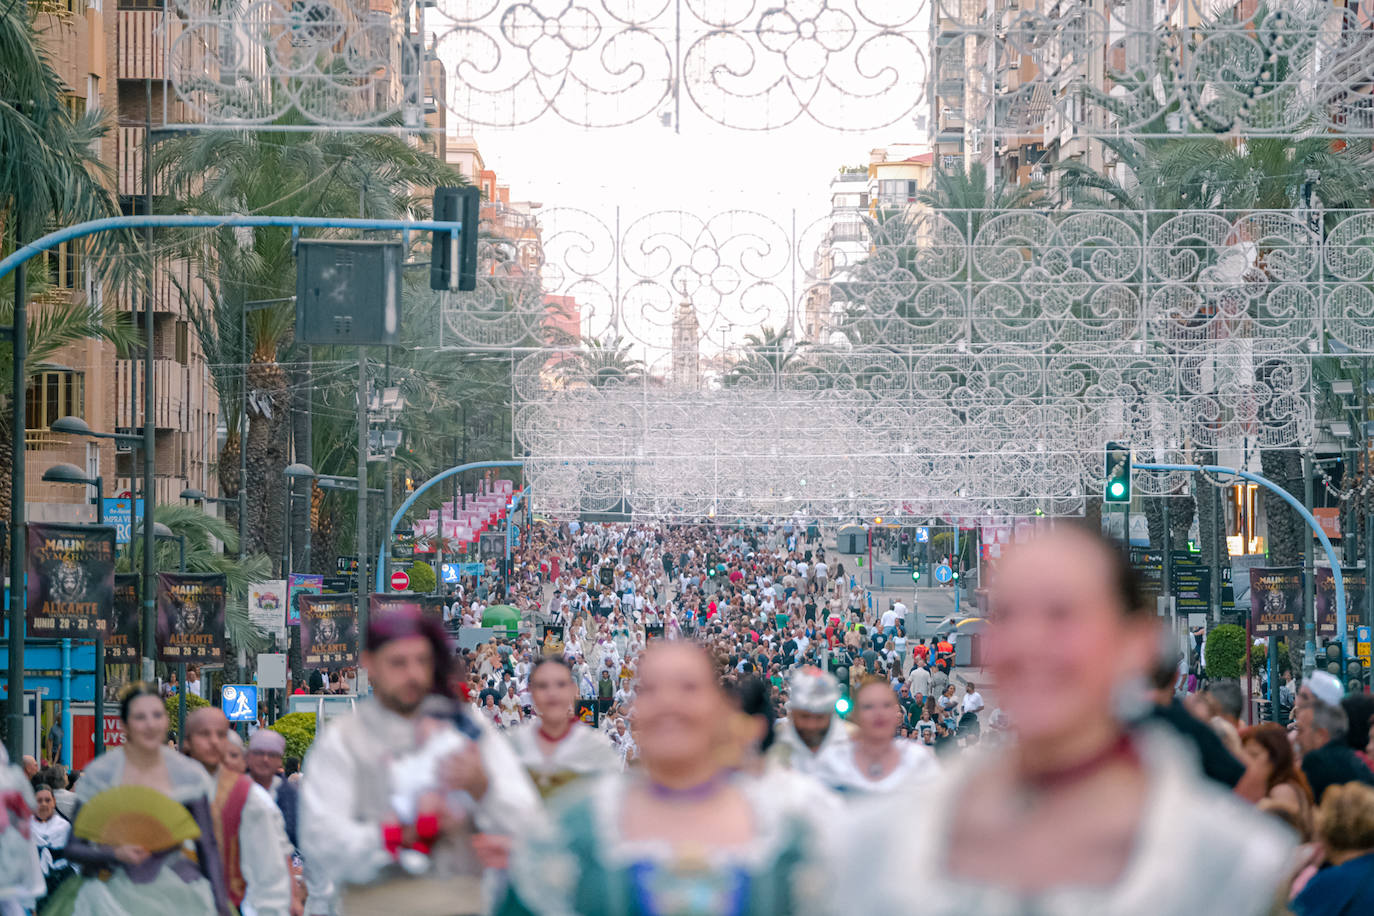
x=400 y=581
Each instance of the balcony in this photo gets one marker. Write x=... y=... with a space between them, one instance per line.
x=141 y=44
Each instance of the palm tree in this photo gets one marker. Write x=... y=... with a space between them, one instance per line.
x=966 y=200
x=767 y=354
x=304 y=173
x=603 y=363
x=49 y=173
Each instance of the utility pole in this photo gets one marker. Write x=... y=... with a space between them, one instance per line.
x=149 y=591
x=1309 y=625
x=14 y=702
x=364 y=584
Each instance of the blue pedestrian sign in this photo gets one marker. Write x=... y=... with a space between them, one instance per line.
x=923 y=535
x=239 y=702
x=450 y=573
x=943 y=573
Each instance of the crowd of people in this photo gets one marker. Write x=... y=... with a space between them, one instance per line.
x=702 y=720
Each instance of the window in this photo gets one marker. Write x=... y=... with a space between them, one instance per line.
x=75 y=105
x=183 y=342
x=65 y=266
x=54 y=394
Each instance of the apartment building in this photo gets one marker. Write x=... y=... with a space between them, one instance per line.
x=80 y=42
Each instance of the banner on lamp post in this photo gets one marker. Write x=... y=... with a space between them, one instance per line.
x=71 y=580
x=1354 y=580
x=124 y=636
x=1275 y=600
x=267 y=608
x=190 y=617
x=329 y=631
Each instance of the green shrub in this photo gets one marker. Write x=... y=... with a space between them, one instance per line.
x=422 y=578
x=298 y=728
x=1225 y=651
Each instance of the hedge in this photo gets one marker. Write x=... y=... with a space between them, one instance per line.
x=422 y=578
x=1225 y=651
x=298 y=728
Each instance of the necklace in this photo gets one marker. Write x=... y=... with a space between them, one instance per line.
x=696 y=793
x=1036 y=785
x=550 y=738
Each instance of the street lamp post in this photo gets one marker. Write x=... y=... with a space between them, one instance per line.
x=70 y=473
x=162 y=533
x=75 y=426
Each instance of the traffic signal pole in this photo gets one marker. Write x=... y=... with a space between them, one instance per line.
x=1310 y=649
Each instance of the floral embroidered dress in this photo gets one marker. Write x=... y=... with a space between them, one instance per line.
x=577 y=862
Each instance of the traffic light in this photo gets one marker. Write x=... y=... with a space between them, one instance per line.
x=916 y=574
x=842 y=704
x=453 y=262
x=1117 y=488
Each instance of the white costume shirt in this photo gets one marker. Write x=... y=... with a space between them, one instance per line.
x=264 y=854
x=836 y=768
x=790 y=750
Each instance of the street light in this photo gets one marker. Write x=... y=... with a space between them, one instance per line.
x=75 y=426
x=70 y=473
x=191 y=494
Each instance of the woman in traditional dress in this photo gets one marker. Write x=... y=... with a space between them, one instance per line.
x=685 y=833
x=128 y=879
x=556 y=747
x=875 y=761
x=1087 y=813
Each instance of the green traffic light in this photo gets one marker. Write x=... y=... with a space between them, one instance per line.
x=842 y=705
x=915 y=575
x=1117 y=489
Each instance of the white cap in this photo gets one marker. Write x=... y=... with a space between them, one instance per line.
x=812 y=690
x=1326 y=687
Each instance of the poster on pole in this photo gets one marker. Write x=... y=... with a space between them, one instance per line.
x=329 y=631
x=300 y=584
x=190 y=617
x=1275 y=600
x=70 y=580
x=1325 y=598
x=267 y=608
x=124 y=636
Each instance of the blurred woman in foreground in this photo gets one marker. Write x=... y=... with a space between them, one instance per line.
x=685 y=833
x=557 y=748
x=1081 y=814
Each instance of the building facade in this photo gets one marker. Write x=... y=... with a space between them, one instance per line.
x=113 y=59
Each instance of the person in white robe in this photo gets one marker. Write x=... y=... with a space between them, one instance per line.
x=812 y=724
x=353 y=786
x=556 y=748
x=875 y=762
x=263 y=852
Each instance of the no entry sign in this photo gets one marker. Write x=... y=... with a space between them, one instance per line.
x=400 y=581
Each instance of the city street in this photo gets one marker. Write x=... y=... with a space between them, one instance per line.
x=605 y=458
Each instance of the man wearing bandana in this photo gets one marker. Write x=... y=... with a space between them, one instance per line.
x=385 y=853
x=811 y=725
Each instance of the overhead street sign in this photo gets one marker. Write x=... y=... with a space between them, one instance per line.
x=923 y=535
x=239 y=702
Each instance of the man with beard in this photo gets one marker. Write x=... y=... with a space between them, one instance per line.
x=351 y=821
x=811 y=725
x=248 y=827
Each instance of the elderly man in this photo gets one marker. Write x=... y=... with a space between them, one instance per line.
x=257 y=860
x=1322 y=724
x=355 y=818
x=265 y=751
x=811 y=725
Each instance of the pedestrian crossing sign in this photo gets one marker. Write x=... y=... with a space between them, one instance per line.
x=239 y=702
